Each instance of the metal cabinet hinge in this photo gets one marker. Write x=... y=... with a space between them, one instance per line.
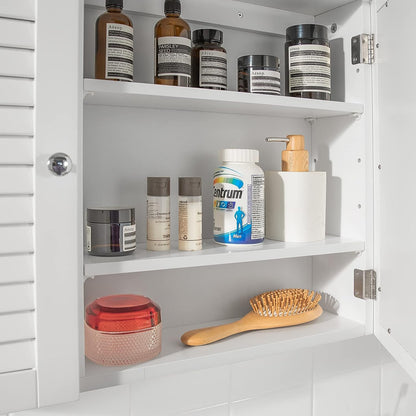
x=362 y=49
x=365 y=284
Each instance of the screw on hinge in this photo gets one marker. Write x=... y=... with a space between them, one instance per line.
x=334 y=27
x=389 y=330
x=240 y=15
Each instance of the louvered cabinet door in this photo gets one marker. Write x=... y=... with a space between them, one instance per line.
x=39 y=213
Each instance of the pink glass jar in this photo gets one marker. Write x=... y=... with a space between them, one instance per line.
x=122 y=330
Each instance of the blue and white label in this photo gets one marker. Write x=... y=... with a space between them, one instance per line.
x=238 y=207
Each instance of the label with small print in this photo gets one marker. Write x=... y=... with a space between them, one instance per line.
x=129 y=237
x=119 y=52
x=309 y=68
x=264 y=81
x=173 y=56
x=88 y=238
x=213 y=69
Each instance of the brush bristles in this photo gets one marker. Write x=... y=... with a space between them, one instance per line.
x=284 y=302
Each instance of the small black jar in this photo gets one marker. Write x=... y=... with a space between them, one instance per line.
x=111 y=231
x=308 y=62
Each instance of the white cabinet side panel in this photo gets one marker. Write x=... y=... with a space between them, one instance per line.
x=17 y=62
x=17 y=33
x=342 y=147
x=17 y=391
x=395 y=193
x=58 y=245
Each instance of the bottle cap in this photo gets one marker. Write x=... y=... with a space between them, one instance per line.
x=158 y=186
x=240 y=155
x=306 y=31
x=110 y=215
x=262 y=61
x=207 y=35
x=190 y=186
x=114 y=3
x=172 y=7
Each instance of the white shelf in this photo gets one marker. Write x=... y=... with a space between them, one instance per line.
x=113 y=93
x=176 y=357
x=212 y=253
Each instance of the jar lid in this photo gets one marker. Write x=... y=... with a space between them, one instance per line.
x=111 y=215
x=306 y=31
x=122 y=313
x=207 y=35
x=240 y=155
x=158 y=186
x=190 y=186
x=263 y=61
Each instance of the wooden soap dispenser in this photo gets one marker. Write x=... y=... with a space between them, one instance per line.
x=295 y=199
x=295 y=158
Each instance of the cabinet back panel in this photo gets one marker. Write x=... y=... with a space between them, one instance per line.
x=196 y=295
x=122 y=146
x=236 y=42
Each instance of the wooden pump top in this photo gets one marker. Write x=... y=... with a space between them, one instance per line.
x=295 y=158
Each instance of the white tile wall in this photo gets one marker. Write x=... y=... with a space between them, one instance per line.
x=297 y=401
x=221 y=410
x=178 y=394
x=269 y=374
x=114 y=401
x=398 y=391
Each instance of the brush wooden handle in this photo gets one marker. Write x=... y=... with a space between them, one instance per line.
x=249 y=322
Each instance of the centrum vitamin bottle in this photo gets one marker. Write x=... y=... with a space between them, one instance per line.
x=173 y=48
x=114 y=44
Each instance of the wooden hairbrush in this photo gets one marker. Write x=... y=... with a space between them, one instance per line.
x=273 y=309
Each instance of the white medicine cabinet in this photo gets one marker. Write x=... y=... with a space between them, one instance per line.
x=117 y=134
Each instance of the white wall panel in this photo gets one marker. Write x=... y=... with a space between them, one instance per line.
x=17 y=62
x=16 y=121
x=17 y=356
x=18 y=297
x=18 y=9
x=16 y=91
x=17 y=327
x=16 y=180
x=17 y=33
x=16 y=151
x=18 y=391
x=16 y=210
x=16 y=268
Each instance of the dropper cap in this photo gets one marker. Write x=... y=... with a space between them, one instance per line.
x=172 y=7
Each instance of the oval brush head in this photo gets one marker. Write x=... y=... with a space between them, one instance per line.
x=273 y=309
x=284 y=302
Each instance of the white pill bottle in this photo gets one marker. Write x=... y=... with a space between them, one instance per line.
x=239 y=198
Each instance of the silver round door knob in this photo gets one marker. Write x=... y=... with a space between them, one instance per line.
x=60 y=164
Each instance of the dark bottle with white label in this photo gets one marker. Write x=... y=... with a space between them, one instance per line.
x=209 y=60
x=173 y=48
x=114 y=44
x=308 y=62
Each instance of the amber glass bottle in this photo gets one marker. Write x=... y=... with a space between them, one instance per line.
x=173 y=48
x=114 y=44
